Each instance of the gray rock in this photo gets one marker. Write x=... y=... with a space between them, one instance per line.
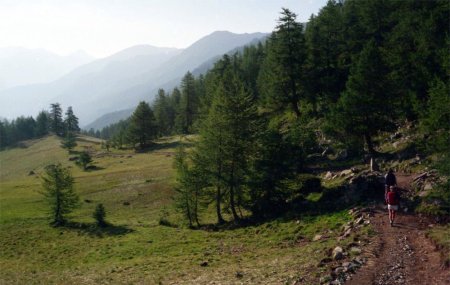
x=428 y=186
x=329 y=175
x=339 y=270
x=338 y=253
x=355 y=250
x=346 y=172
x=360 y=220
x=317 y=237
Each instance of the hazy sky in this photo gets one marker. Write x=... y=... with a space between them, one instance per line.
x=102 y=27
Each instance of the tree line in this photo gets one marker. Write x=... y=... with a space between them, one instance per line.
x=52 y=121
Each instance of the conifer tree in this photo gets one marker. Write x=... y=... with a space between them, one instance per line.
x=84 y=160
x=69 y=141
x=142 y=127
x=71 y=121
x=191 y=184
x=56 y=121
x=162 y=113
x=281 y=76
x=58 y=191
x=226 y=142
x=42 y=123
x=187 y=111
x=364 y=108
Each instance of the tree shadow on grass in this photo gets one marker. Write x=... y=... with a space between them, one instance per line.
x=163 y=146
x=91 y=168
x=92 y=229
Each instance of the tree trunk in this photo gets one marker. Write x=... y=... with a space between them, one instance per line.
x=188 y=211
x=220 y=220
x=233 y=205
x=369 y=143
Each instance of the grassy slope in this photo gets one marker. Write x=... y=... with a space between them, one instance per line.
x=137 y=250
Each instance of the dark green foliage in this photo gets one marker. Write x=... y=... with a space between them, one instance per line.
x=71 y=121
x=142 y=127
x=56 y=121
x=164 y=113
x=84 y=160
x=272 y=164
x=304 y=184
x=365 y=107
x=69 y=141
x=99 y=215
x=58 y=191
x=23 y=128
x=188 y=106
x=42 y=124
x=190 y=185
x=280 y=80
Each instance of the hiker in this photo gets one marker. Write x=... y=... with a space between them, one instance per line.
x=390 y=180
x=393 y=201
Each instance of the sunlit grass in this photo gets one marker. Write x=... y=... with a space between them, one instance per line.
x=135 y=189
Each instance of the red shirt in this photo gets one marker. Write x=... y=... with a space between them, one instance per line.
x=392 y=198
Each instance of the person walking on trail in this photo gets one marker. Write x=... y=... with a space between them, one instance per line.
x=393 y=201
x=390 y=180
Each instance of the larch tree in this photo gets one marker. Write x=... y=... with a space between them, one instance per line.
x=71 y=121
x=142 y=127
x=281 y=76
x=58 y=191
x=365 y=106
x=56 y=121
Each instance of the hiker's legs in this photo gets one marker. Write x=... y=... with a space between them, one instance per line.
x=393 y=215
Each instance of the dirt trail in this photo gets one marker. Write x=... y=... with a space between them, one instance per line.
x=401 y=254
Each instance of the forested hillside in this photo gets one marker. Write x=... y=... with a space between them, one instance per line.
x=357 y=72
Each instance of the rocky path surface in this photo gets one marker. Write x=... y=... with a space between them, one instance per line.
x=401 y=254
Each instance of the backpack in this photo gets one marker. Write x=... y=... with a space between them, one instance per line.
x=392 y=198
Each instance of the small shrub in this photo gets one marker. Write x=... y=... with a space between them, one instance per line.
x=302 y=185
x=99 y=215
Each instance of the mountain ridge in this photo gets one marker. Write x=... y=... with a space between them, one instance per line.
x=114 y=83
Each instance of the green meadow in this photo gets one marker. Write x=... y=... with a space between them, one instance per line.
x=137 y=192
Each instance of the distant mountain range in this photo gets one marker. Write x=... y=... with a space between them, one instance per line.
x=21 y=66
x=120 y=81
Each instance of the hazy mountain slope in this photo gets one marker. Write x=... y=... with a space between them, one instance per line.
x=171 y=73
x=109 y=118
x=207 y=49
x=102 y=76
x=121 y=80
x=21 y=66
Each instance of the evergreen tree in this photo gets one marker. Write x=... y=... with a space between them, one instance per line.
x=162 y=113
x=142 y=127
x=187 y=111
x=226 y=142
x=190 y=186
x=3 y=134
x=58 y=190
x=99 y=215
x=71 y=121
x=69 y=141
x=23 y=128
x=84 y=160
x=56 y=121
x=364 y=108
x=42 y=123
x=281 y=81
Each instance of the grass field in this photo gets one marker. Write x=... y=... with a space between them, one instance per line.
x=136 y=190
